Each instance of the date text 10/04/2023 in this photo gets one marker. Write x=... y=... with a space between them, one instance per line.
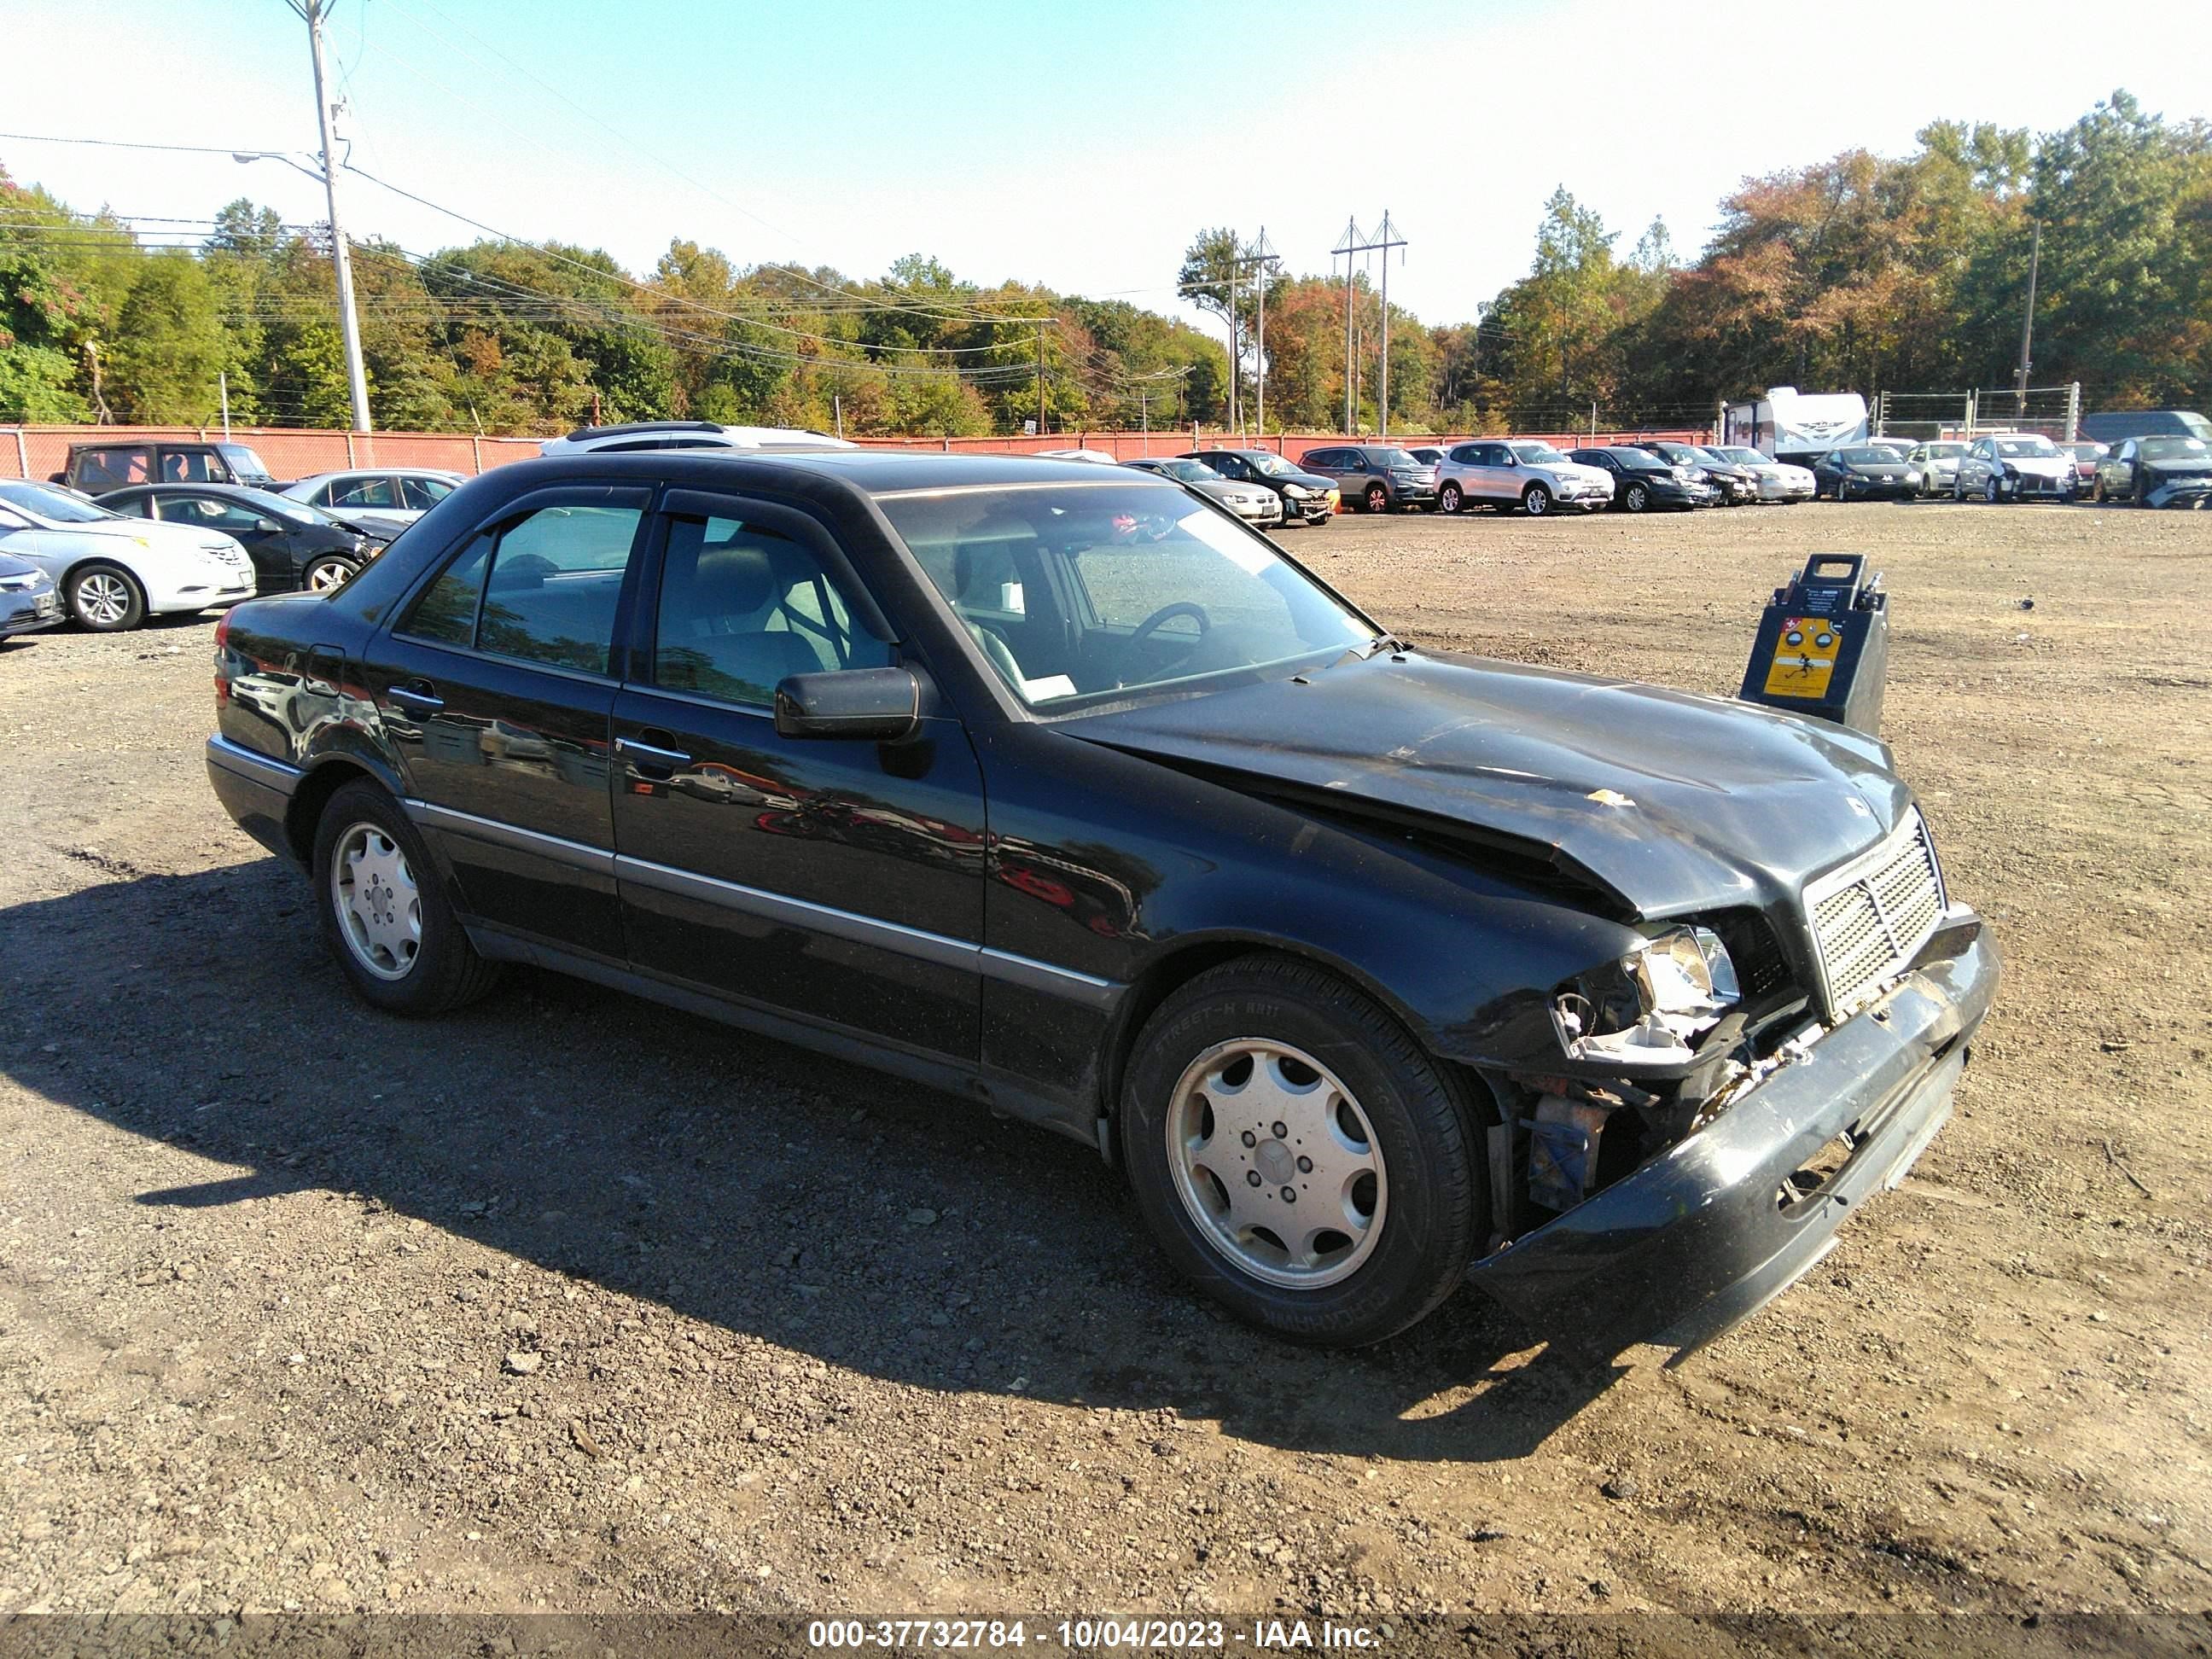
x=1151 y=1634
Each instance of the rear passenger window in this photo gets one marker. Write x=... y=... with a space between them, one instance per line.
x=544 y=590
x=742 y=605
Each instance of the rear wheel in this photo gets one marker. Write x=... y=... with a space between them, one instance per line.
x=382 y=913
x=1536 y=501
x=1448 y=498
x=1297 y=1156
x=106 y=598
x=1378 y=499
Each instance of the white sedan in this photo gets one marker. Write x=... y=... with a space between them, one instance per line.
x=1778 y=481
x=115 y=572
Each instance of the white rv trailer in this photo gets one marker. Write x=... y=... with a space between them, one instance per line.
x=1796 y=425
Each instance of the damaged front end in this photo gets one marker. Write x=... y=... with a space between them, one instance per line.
x=1710 y=1122
x=2183 y=490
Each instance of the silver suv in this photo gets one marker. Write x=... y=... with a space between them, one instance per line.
x=1523 y=472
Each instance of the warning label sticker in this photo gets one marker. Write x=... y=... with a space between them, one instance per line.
x=1804 y=658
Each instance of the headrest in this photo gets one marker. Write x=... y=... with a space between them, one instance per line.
x=985 y=555
x=733 y=579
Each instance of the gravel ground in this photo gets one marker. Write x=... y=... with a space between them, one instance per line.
x=571 y=1303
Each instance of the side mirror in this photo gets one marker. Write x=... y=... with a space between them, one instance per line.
x=268 y=527
x=879 y=705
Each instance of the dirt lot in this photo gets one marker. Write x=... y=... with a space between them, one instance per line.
x=573 y=1302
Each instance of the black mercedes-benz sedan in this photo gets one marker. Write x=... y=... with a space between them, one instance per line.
x=1052 y=785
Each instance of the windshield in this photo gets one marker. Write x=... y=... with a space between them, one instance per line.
x=279 y=507
x=1944 y=451
x=243 y=461
x=2026 y=447
x=1746 y=456
x=58 y=505
x=1189 y=471
x=1869 y=457
x=1393 y=460
x=1538 y=454
x=1639 y=460
x=1076 y=591
x=1273 y=466
x=2173 y=449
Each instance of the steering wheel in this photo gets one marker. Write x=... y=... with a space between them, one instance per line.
x=1166 y=613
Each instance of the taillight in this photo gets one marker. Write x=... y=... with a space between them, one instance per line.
x=221 y=653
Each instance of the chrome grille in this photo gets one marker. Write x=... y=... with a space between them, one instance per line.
x=1870 y=917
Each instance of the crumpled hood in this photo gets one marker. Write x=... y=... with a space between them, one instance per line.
x=1676 y=803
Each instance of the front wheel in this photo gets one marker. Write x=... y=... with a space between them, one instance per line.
x=1297 y=1156
x=383 y=916
x=1378 y=499
x=1992 y=492
x=327 y=574
x=1636 y=498
x=106 y=598
x=1448 y=498
x=1536 y=501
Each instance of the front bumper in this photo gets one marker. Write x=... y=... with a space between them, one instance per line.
x=1881 y=490
x=2033 y=487
x=1701 y=1237
x=26 y=613
x=2190 y=490
x=216 y=589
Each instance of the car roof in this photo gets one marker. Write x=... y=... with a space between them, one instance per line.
x=873 y=471
x=379 y=472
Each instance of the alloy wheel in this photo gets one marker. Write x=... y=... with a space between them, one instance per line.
x=1378 y=499
x=103 y=600
x=1448 y=498
x=379 y=905
x=1277 y=1164
x=325 y=575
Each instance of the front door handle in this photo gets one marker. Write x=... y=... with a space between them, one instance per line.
x=642 y=755
x=419 y=698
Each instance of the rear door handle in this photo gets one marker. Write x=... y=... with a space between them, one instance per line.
x=641 y=755
x=420 y=698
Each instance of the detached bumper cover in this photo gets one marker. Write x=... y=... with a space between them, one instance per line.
x=1699 y=1239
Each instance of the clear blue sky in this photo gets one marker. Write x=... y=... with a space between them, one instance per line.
x=1076 y=145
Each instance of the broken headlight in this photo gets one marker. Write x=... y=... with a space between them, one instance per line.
x=1670 y=991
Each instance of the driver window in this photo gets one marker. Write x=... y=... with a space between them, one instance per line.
x=743 y=606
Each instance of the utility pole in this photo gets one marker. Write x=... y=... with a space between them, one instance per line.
x=1347 y=247
x=1040 y=423
x=313 y=12
x=1261 y=257
x=2027 y=323
x=1386 y=238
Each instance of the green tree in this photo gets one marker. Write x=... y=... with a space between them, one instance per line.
x=169 y=346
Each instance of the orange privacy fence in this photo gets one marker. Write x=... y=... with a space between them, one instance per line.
x=41 y=451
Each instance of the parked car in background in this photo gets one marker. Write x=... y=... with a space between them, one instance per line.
x=2112 y=425
x=1733 y=486
x=2160 y=470
x=1376 y=971
x=687 y=435
x=2087 y=452
x=383 y=500
x=1643 y=481
x=1253 y=503
x=2013 y=467
x=1308 y=497
x=28 y=598
x=1938 y=464
x=1778 y=481
x=1866 y=472
x=1375 y=478
x=96 y=468
x=115 y=572
x=1427 y=455
x=292 y=545
x=1505 y=473
x=1687 y=461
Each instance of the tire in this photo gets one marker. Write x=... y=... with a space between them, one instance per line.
x=1422 y=1185
x=441 y=970
x=1377 y=499
x=2097 y=492
x=1635 y=498
x=106 y=598
x=327 y=574
x=1992 y=492
x=1448 y=498
x=1536 y=501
